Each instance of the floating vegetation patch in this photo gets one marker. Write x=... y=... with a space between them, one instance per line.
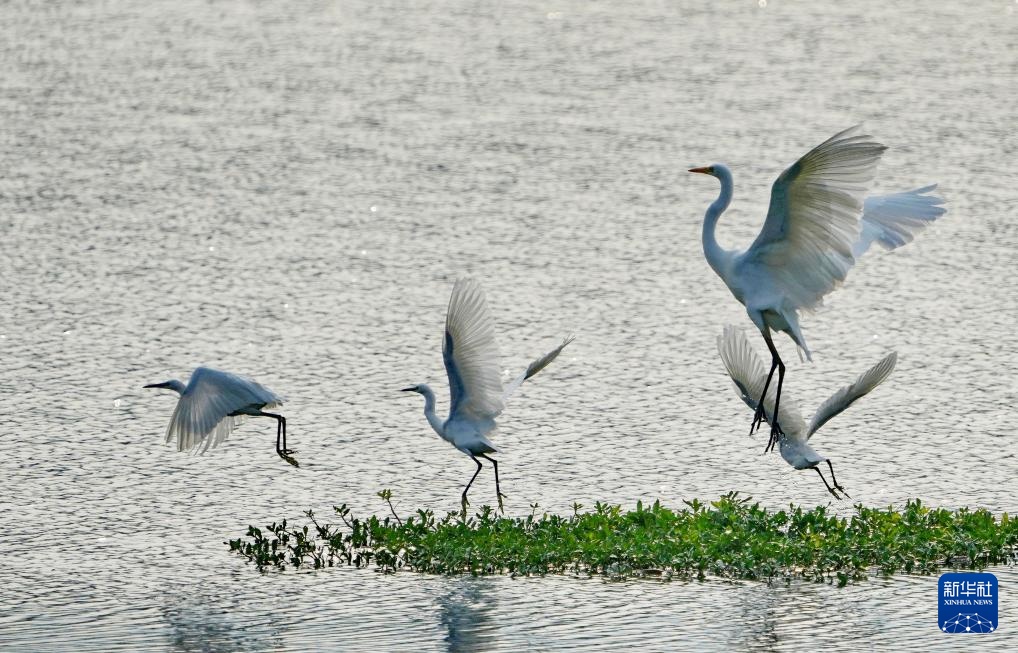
x=727 y=538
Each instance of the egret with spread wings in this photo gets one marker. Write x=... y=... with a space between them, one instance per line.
x=819 y=222
x=475 y=386
x=750 y=377
x=213 y=403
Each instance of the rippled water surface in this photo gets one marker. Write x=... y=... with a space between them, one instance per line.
x=288 y=190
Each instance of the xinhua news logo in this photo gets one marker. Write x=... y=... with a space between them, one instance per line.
x=968 y=603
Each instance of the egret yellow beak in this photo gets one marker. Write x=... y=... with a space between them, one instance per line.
x=705 y=170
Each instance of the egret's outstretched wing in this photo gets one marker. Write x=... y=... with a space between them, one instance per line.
x=805 y=245
x=749 y=374
x=894 y=220
x=844 y=398
x=471 y=356
x=202 y=418
x=534 y=368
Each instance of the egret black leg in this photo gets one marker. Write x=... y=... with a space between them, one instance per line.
x=465 y=502
x=836 y=480
x=282 y=423
x=280 y=433
x=776 y=361
x=830 y=489
x=281 y=449
x=498 y=490
x=775 y=427
x=760 y=416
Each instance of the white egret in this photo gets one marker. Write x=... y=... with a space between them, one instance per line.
x=819 y=222
x=213 y=404
x=750 y=377
x=476 y=394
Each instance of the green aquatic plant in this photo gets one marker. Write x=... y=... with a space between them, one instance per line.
x=728 y=538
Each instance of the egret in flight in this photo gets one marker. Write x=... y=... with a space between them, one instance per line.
x=475 y=386
x=819 y=222
x=750 y=377
x=213 y=403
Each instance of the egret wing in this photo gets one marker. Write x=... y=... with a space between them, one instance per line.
x=203 y=416
x=471 y=355
x=845 y=397
x=805 y=245
x=749 y=374
x=535 y=367
x=894 y=220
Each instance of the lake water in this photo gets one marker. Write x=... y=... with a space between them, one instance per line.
x=289 y=191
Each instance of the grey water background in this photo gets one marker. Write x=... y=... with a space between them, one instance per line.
x=288 y=190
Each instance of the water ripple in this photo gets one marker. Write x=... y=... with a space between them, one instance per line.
x=290 y=194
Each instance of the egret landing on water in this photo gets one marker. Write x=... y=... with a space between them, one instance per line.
x=476 y=395
x=213 y=404
x=818 y=224
x=750 y=377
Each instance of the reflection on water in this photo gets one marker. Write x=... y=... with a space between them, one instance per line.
x=465 y=613
x=198 y=621
x=290 y=194
x=759 y=610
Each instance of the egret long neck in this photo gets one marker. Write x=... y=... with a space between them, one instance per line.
x=716 y=255
x=429 y=410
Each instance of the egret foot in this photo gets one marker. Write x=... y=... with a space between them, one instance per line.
x=776 y=434
x=829 y=488
x=285 y=455
x=759 y=417
x=498 y=488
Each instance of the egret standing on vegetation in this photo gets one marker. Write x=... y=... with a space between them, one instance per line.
x=818 y=224
x=747 y=371
x=476 y=394
x=213 y=404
